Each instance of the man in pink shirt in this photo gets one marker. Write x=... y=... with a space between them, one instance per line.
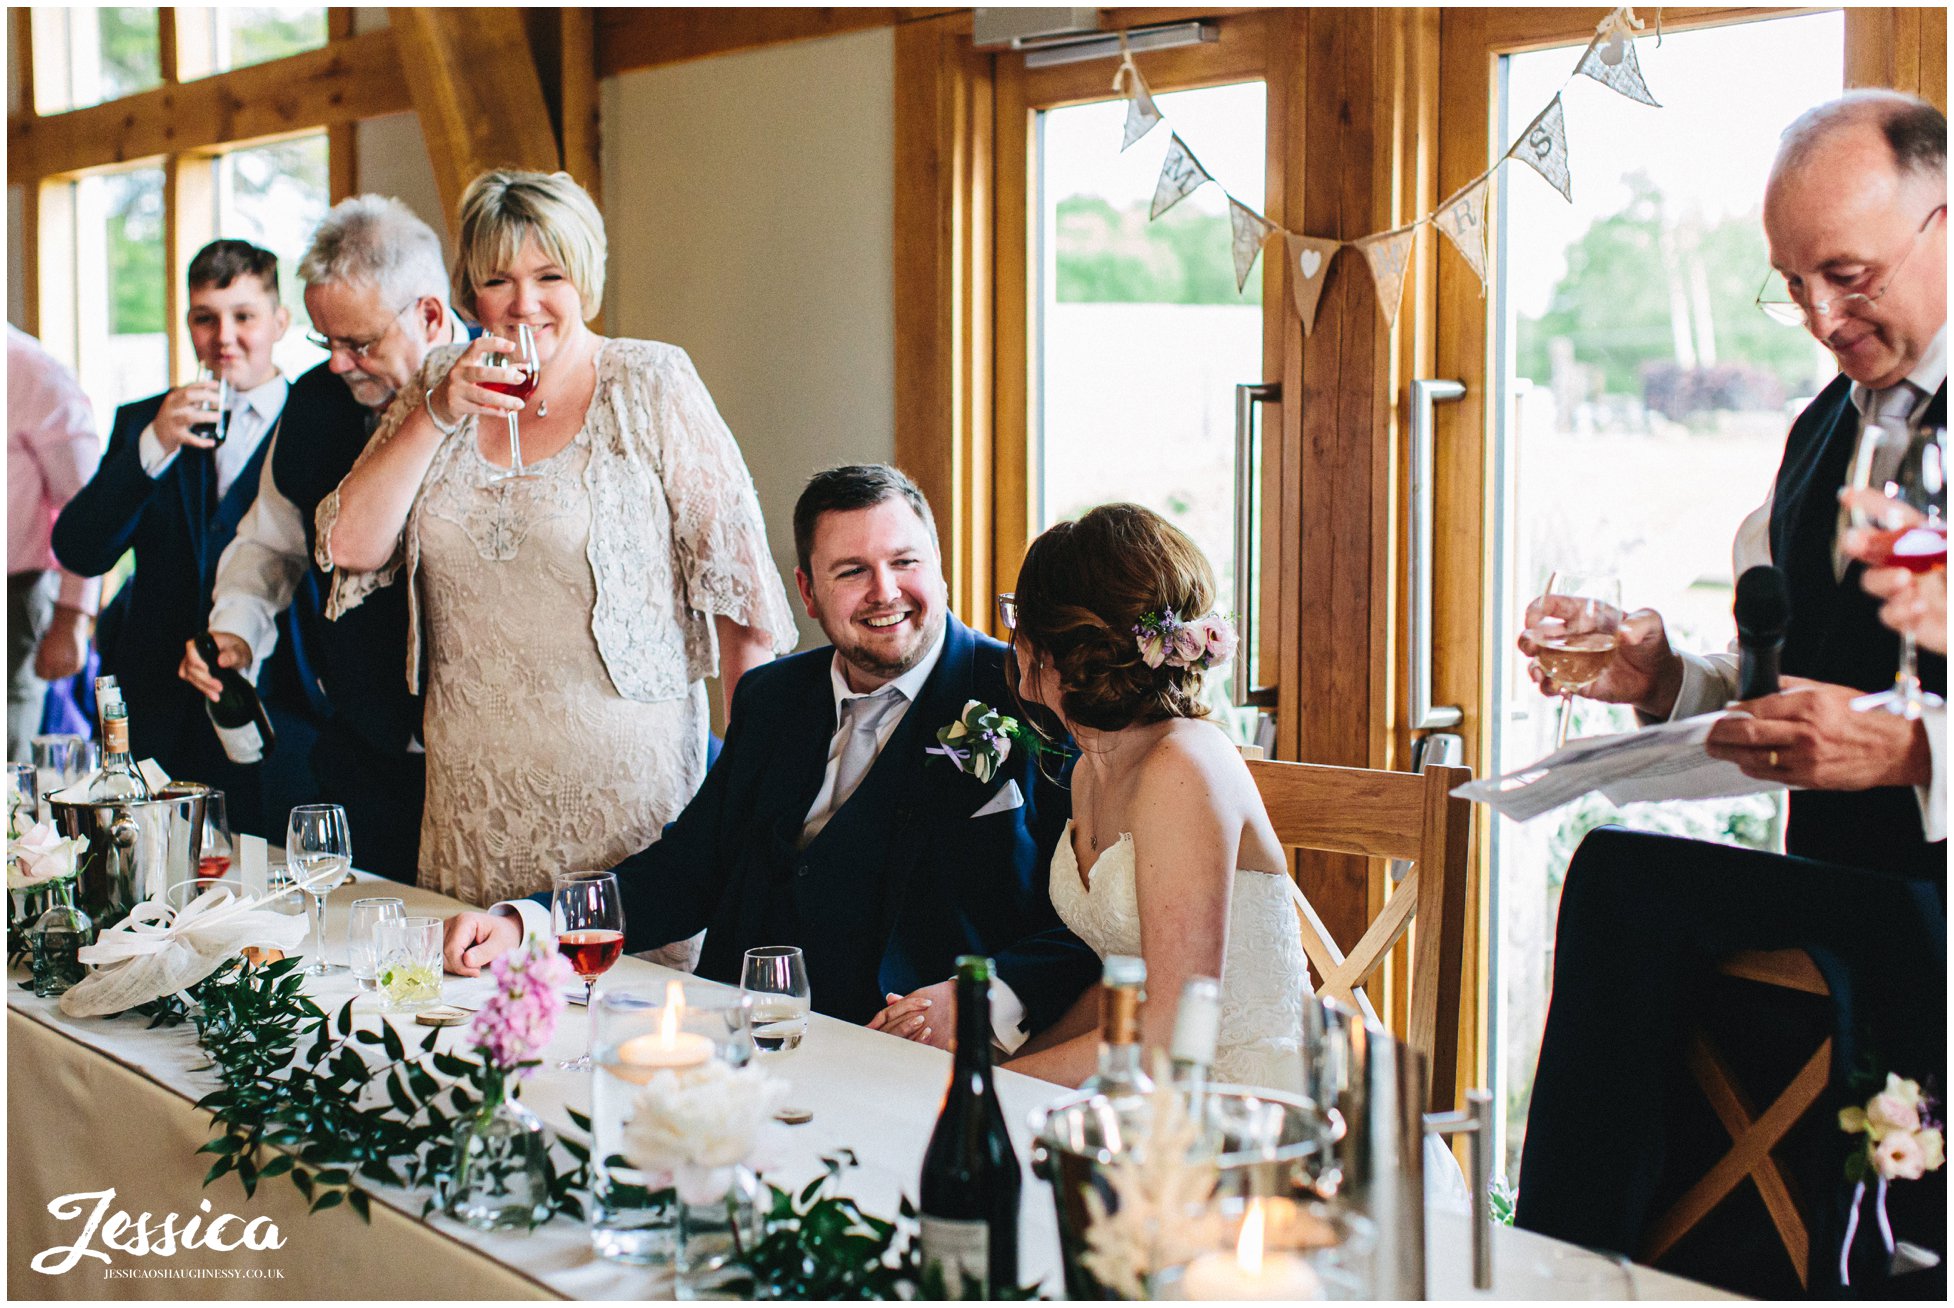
x=52 y=450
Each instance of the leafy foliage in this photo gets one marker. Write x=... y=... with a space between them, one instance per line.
x=1108 y=255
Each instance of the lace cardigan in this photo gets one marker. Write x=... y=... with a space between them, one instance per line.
x=675 y=528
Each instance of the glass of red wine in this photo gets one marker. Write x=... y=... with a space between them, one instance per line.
x=1909 y=467
x=587 y=915
x=523 y=359
x=214 y=856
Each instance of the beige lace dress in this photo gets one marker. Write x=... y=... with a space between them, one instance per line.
x=566 y=619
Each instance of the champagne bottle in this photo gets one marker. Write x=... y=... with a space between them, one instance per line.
x=1122 y=989
x=970 y=1185
x=238 y=714
x=118 y=779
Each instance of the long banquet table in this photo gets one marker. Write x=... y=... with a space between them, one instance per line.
x=95 y=1104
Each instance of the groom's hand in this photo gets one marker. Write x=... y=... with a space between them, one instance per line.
x=927 y=1016
x=471 y=941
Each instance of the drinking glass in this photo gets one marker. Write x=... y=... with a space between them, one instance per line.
x=281 y=890
x=1576 y=633
x=362 y=954
x=214 y=858
x=218 y=426
x=587 y=915
x=776 y=977
x=23 y=798
x=319 y=850
x=407 y=951
x=58 y=761
x=522 y=358
x=1907 y=466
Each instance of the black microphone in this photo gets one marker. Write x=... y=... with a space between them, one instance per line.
x=1763 y=611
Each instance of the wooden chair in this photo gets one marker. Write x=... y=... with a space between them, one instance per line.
x=1752 y=1135
x=1394 y=815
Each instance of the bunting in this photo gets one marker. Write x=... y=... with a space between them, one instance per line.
x=1309 y=265
x=1250 y=229
x=1181 y=175
x=1609 y=59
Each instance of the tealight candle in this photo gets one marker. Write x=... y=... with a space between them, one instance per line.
x=1249 y=1273
x=669 y=1050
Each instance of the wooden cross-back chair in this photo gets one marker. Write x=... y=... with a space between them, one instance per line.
x=1393 y=815
x=1753 y=1135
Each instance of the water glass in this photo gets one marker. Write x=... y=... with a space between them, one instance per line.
x=407 y=952
x=282 y=892
x=776 y=977
x=319 y=849
x=23 y=798
x=58 y=761
x=362 y=956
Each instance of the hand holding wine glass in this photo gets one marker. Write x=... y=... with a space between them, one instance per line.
x=1897 y=506
x=587 y=914
x=1573 y=631
x=319 y=851
x=523 y=360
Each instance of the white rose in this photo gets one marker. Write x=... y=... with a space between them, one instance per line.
x=42 y=856
x=708 y=1118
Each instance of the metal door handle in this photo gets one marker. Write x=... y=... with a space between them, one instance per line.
x=1426 y=393
x=1247 y=396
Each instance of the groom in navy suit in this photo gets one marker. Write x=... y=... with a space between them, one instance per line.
x=828 y=824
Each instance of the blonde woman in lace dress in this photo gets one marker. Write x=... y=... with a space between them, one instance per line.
x=1169 y=854
x=567 y=620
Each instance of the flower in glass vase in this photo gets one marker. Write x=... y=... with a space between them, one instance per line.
x=42 y=856
x=701 y=1123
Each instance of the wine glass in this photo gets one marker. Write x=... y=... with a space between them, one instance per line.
x=319 y=850
x=214 y=858
x=523 y=358
x=587 y=914
x=1578 y=627
x=776 y=977
x=1908 y=467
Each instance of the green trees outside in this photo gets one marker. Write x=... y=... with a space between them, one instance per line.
x=1109 y=255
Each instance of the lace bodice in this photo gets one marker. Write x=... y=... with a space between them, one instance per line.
x=675 y=534
x=1264 y=975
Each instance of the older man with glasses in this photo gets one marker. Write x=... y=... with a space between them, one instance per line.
x=1855 y=212
x=376 y=289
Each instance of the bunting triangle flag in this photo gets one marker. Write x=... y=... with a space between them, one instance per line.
x=1389 y=256
x=1141 y=115
x=1463 y=220
x=1544 y=146
x=1610 y=60
x=1309 y=267
x=1181 y=174
x=1250 y=230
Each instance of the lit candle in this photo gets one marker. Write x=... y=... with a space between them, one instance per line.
x=1250 y=1273
x=671 y=1049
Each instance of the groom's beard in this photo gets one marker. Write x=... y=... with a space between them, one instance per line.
x=860 y=657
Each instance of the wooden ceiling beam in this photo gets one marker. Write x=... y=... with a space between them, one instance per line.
x=341 y=83
x=631 y=39
x=477 y=93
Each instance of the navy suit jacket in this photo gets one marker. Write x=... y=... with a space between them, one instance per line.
x=177 y=527
x=903 y=878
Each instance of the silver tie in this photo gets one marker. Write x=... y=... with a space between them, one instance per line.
x=861 y=721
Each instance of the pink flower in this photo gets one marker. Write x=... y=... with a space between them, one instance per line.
x=1889 y=1112
x=518 y=1020
x=1222 y=640
x=1190 y=643
x=1153 y=647
x=1898 y=1156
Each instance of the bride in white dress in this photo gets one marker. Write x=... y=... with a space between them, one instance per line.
x=1169 y=854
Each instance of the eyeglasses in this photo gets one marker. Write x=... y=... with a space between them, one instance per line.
x=1793 y=313
x=1007 y=610
x=360 y=349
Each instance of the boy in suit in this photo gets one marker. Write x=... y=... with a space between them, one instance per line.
x=175 y=498
x=827 y=824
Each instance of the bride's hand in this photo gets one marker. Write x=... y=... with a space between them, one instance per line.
x=927 y=1016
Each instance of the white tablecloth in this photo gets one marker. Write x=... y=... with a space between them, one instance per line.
x=94 y=1104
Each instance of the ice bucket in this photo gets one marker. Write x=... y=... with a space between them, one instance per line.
x=1064 y=1153
x=136 y=848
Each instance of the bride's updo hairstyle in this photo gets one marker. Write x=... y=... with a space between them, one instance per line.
x=1083 y=587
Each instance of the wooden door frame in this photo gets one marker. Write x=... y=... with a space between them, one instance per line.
x=1901 y=48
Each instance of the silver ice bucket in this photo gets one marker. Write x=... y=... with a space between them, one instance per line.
x=1291 y=1136
x=136 y=848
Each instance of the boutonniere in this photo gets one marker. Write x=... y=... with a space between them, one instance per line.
x=980 y=740
x=1903 y=1142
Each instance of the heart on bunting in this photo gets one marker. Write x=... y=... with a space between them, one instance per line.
x=1308 y=258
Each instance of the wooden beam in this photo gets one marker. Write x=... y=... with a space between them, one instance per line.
x=582 y=142
x=1904 y=49
x=944 y=133
x=342 y=139
x=342 y=83
x=476 y=91
x=631 y=39
x=169 y=67
x=22 y=36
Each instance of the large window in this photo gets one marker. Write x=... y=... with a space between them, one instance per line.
x=85 y=56
x=215 y=40
x=118 y=335
x=274 y=196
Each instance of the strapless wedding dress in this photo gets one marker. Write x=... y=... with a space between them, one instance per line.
x=1264 y=975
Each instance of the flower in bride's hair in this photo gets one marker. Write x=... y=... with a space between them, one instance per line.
x=1156 y=632
x=1222 y=640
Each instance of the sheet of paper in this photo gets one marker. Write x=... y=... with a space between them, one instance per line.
x=1664 y=761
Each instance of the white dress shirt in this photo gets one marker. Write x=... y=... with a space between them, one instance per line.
x=1710 y=680
x=1007 y=1010
x=252 y=414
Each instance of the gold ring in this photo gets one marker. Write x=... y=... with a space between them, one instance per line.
x=1772 y=758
